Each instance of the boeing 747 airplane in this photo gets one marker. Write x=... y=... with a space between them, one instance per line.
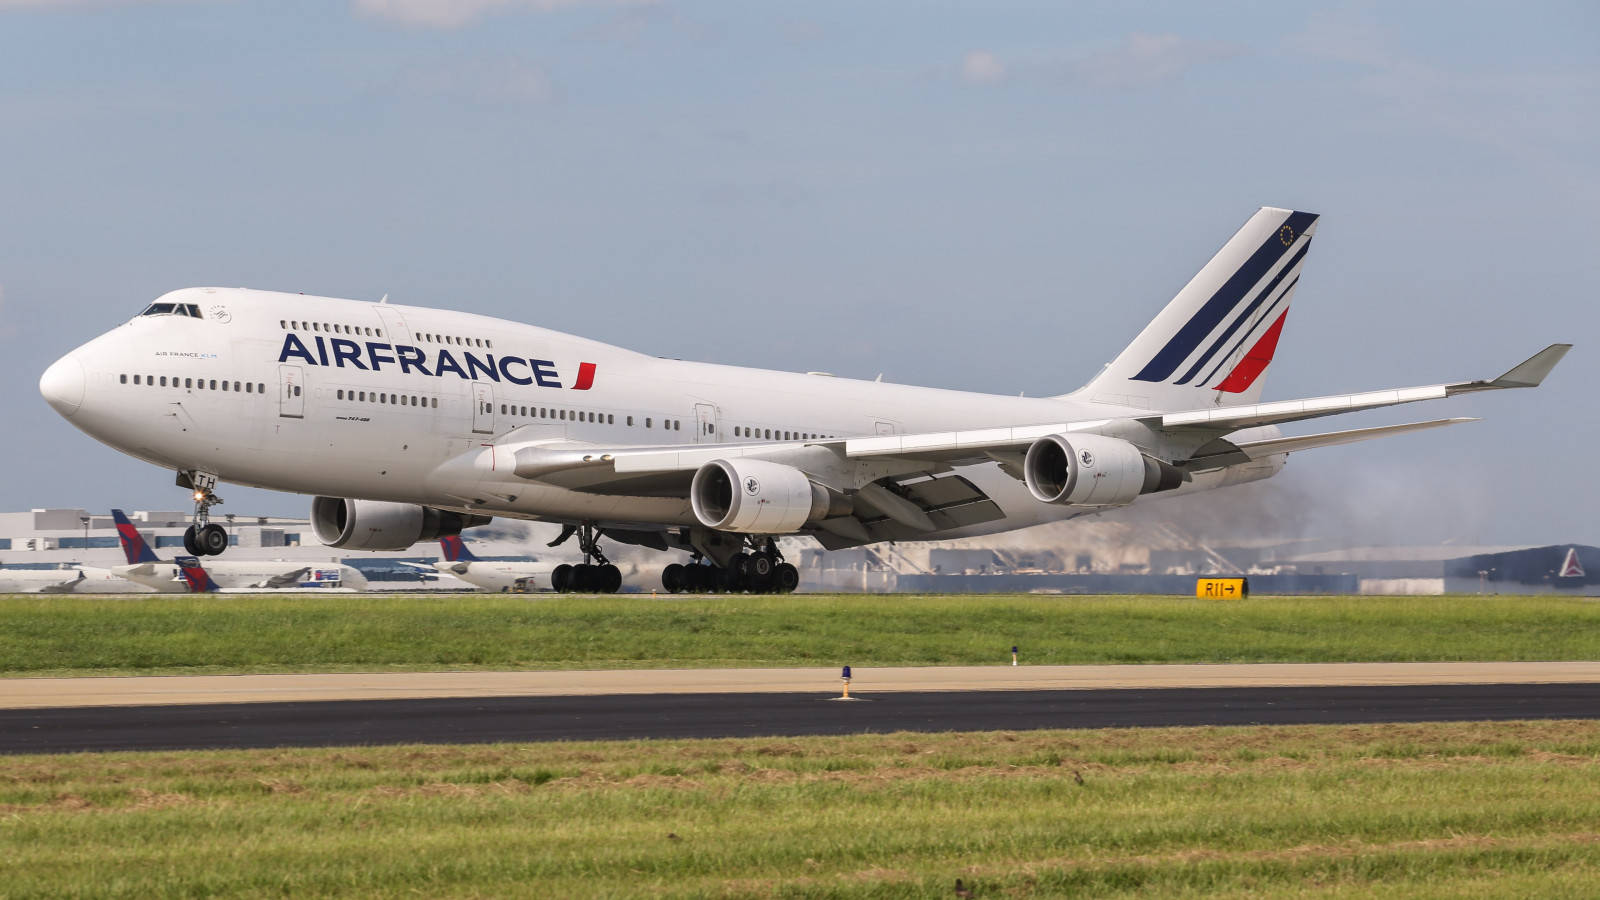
x=408 y=424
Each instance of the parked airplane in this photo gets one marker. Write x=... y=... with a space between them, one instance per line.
x=70 y=579
x=146 y=568
x=490 y=574
x=410 y=424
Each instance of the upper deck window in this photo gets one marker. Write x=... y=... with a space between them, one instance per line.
x=172 y=309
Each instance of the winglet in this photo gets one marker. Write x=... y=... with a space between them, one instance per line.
x=1530 y=373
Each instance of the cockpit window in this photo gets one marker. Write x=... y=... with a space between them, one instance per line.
x=172 y=309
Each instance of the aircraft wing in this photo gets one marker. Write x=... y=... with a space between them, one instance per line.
x=904 y=485
x=665 y=471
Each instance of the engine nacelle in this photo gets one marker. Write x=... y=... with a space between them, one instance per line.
x=380 y=525
x=754 y=496
x=1093 y=470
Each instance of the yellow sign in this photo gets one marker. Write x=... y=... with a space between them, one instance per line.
x=1222 y=588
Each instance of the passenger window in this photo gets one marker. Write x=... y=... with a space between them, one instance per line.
x=261 y=388
x=768 y=436
x=436 y=403
x=213 y=384
x=188 y=382
x=224 y=385
x=630 y=421
x=340 y=394
x=249 y=388
x=647 y=422
x=124 y=379
x=489 y=344
x=611 y=419
x=297 y=390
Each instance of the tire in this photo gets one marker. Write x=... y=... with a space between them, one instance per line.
x=191 y=543
x=760 y=567
x=609 y=579
x=785 y=578
x=583 y=578
x=213 y=539
x=561 y=579
x=672 y=578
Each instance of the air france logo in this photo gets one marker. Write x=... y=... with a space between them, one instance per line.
x=371 y=356
x=1086 y=458
x=752 y=486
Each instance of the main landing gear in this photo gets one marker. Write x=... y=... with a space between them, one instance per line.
x=204 y=537
x=586 y=577
x=762 y=571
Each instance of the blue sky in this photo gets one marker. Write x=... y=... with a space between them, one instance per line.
x=993 y=196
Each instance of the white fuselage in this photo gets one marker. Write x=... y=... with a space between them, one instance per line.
x=73 y=580
x=166 y=577
x=497 y=575
x=349 y=398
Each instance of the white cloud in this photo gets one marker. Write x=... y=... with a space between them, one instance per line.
x=982 y=67
x=1145 y=59
x=455 y=13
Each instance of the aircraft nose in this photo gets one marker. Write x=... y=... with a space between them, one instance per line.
x=62 y=385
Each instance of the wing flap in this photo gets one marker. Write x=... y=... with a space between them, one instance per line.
x=1225 y=453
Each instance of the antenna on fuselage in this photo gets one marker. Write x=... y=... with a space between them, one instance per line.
x=385 y=299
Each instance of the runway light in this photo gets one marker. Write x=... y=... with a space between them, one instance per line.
x=1013 y=654
x=845 y=674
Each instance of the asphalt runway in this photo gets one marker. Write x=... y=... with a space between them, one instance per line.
x=705 y=715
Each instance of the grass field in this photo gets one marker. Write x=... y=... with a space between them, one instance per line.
x=63 y=634
x=1481 y=810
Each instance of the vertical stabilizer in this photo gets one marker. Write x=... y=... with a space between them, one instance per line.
x=133 y=543
x=455 y=549
x=195 y=576
x=1212 y=343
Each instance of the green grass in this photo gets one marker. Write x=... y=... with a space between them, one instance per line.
x=1457 y=809
x=53 y=635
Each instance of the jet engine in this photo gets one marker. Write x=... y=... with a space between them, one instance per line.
x=755 y=496
x=1093 y=470
x=380 y=525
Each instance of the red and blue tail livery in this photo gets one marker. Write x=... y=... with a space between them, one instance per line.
x=455 y=549
x=1215 y=339
x=196 y=577
x=133 y=543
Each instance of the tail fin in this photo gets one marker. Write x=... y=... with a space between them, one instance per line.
x=455 y=549
x=197 y=578
x=1213 y=342
x=133 y=543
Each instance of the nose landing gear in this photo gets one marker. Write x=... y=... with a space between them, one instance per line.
x=204 y=537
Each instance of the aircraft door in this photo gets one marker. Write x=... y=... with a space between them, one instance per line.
x=482 y=407
x=291 y=392
x=394 y=327
x=705 y=420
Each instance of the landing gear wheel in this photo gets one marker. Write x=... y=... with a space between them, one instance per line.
x=673 y=580
x=785 y=578
x=191 y=542
x=608 y=579
x=212 y=539
x=561 y=578
x=759 y=567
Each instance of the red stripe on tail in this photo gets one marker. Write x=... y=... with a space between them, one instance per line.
x=1255 y=362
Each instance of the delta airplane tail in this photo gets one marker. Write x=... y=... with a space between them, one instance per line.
x=197 y=578
x=1212 y=343
x=455 y=549
x=133 y=543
